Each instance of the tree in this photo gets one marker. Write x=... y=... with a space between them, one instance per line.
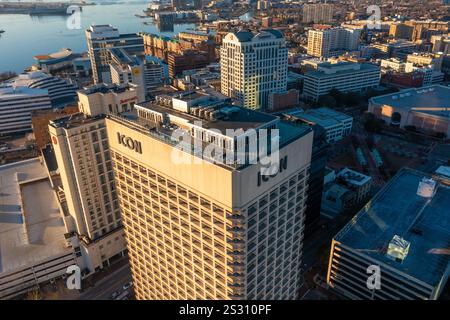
x=327 y=101
x=338 y=96
x=371 y=123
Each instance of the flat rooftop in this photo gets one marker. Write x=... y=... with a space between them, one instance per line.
x=105 y=88
x=234 y=118
x=327 y=70
x=324 y=117
x=433 y=100
x=74 y=120
x=31 y=227
x=237 y=117
x=398 y=210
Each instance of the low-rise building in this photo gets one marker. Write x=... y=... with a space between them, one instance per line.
x=33 y=247
x=424 y=108
x=336 y=124
x=343 y=76
x=16 y=105
x=403 y=234
x=358 y=182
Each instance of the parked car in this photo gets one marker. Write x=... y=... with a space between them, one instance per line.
x=127 y=285
x=115 y=294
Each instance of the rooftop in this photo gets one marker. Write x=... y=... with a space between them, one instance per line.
x=60 y=55
x=246 y=36
x=354 y=177
x=433 y=100
x=31 y=227
x=324 y=117
x=398 y=210
x=236 y=117
x=105 y=88
x=332 y=69
x=14 y=92
x=74 y=120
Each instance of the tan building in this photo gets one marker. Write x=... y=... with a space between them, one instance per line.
x=86 y=193
x=202 y=230
x=103 y=99
x=326 y=42
x=253 y=66
x=401 y=31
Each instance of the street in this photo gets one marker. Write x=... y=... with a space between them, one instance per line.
x=104 y=288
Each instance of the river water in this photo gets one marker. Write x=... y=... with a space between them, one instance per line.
x=27 y=36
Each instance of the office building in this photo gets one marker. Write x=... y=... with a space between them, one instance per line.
x=318 y=13
x=343 y=76
x=359 y=183
x=425 y=109
x=60 y=91
x=127 y=69
x=103 y=99
x=317 y=171
x=86 y=191
x=253 y=66
x=16 y=105
x=395 y=49
x=184 y=220
x=336 y=124
x=398 y=233
x=441 y=43
x=102 y=38
x=425 y=29
x=401 y=31
x=154 y=75
x=187 y=60
x=326 y=41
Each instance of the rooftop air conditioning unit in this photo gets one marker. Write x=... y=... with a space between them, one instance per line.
x=398 y=249
x=426 y=188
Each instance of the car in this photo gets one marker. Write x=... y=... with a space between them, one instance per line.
x=115 y=294
x=127 y=285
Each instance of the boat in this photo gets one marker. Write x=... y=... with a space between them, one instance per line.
x=2 y=31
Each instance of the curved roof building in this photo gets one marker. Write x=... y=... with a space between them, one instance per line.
x=54 y=61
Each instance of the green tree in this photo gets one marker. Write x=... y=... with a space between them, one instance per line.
x=327 y=101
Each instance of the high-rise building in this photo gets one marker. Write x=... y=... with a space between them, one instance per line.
x=326 y=42
x=87 y=194
x=199 y=229
x=318 y=13
x=253 y=66
x=401 y=236
x=127 y=69
x=102 y=38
